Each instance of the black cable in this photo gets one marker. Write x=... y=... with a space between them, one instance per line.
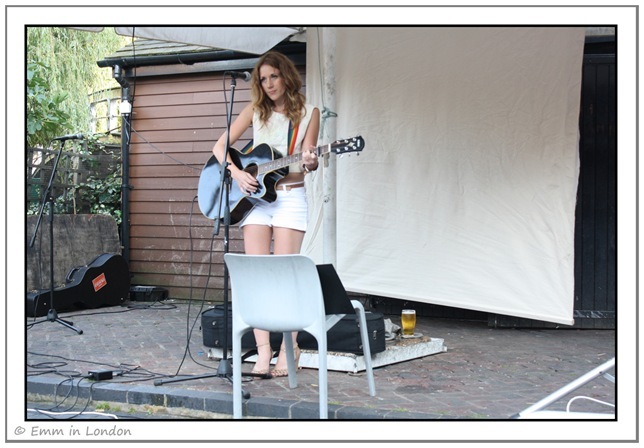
x=71 y=360
x=122 y=370
x=55 y=409
x=205 y=290
x=190 y=329
x=57 y=404
x=133 y=61
x=162 y=152
x=43 y=368
x=71 y=388
x=133 y=95
x=160 y=307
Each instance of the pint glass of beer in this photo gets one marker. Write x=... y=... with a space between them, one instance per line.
x=408 y=319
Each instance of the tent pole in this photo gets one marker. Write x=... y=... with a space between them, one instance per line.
x=329 y=237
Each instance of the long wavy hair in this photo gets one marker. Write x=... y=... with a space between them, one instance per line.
x=295 y=99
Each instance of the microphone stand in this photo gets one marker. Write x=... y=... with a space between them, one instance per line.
x=48 y=198
x=225 y=369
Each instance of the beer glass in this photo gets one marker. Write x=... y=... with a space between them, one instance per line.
x=408 y=319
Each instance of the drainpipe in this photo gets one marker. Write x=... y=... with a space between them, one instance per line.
x=125 y=110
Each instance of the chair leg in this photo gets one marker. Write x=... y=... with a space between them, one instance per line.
x=237 y=384
x=364 y=336
x=323 y=377
x=290 y=359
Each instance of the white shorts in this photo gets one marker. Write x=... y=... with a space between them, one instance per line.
x=289 y=210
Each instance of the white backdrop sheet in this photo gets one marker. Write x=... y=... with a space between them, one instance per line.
x=465 y=192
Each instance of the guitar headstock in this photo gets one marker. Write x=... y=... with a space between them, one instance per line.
x=349 y=145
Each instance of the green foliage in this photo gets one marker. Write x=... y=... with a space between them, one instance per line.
x=62 y=73
x=88 y=180
x=103 y=195
x=45 y=116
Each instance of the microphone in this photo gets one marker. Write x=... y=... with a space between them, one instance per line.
x=239 y=75
x=69 y=137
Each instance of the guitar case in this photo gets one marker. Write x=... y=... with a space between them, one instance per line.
x=103 y=282
x=344 y=337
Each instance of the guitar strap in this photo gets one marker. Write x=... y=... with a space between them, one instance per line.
x=248 y=148
x=292 y=137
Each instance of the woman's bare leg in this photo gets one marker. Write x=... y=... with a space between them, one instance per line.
x=286 y=241
x=257 y=241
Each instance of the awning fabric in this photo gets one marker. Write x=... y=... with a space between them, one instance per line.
x=465 y=192
x=255 y=40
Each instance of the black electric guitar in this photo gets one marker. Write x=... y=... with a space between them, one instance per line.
x=267 y=166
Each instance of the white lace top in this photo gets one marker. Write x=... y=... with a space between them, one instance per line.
x=275 y=133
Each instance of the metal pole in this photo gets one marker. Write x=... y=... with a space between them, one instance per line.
x=126 y=111
x=125 y=183
x=329 y=236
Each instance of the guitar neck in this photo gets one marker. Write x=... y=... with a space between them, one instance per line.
x=289 y=160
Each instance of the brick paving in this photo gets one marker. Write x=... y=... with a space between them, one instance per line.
x=485 y=374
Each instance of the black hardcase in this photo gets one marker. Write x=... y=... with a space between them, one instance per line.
x=345 y=337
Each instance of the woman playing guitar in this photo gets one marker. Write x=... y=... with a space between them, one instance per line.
x=280 y=118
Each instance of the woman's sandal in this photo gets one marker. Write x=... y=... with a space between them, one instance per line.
x=267 y=370
x=284 y=372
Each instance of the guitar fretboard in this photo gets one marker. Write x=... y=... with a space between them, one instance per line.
x=289 y=160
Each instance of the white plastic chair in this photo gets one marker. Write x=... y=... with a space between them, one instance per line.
x=537 y=411
x=281 y=294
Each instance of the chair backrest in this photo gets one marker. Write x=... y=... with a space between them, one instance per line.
x=336 y=299
x=275 y=292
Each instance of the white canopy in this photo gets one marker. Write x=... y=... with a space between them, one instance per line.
x=257 y=41
x=465 y=192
